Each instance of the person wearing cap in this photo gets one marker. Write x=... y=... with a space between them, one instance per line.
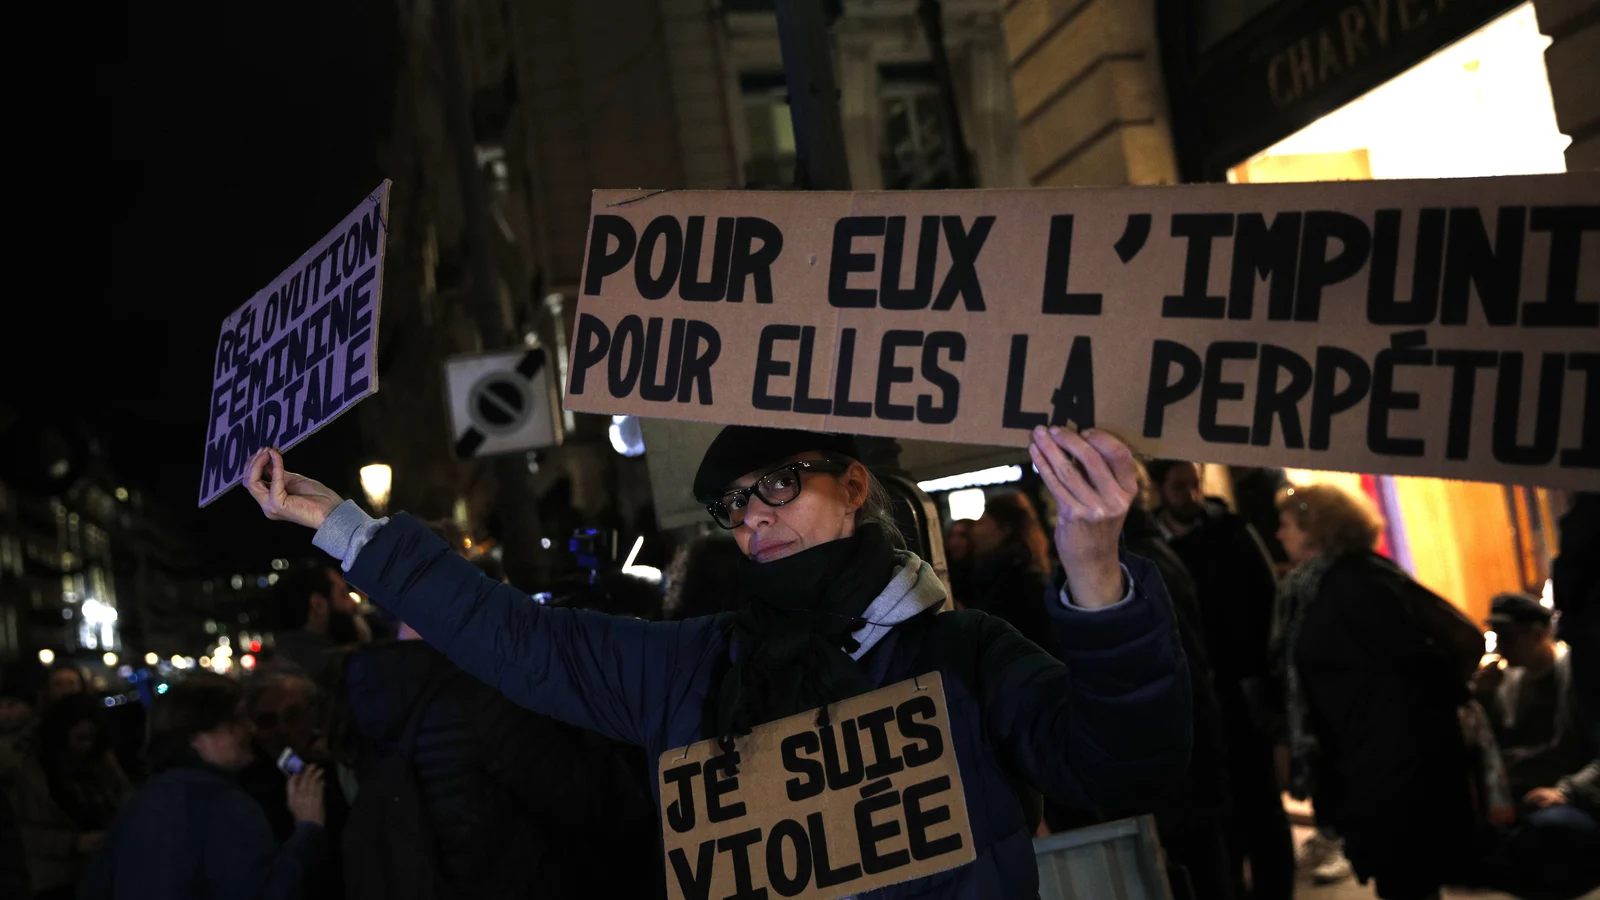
x=1530 y=702
x=832 y=606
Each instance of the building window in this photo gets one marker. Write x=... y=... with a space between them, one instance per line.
x=768 y=130
x=916 y=145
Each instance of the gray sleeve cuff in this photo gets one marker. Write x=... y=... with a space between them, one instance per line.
x=346 y=530
x=1066 y=600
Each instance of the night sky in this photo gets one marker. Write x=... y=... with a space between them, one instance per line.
x=217 y=142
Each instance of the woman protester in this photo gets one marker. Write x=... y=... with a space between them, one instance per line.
x=191 y=833
x=832 y=607
x=1011 y=566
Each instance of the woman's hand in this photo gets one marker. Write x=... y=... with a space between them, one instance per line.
x=1093 y=479
x=305 y=795
x=1545 y=797
x=288 y=497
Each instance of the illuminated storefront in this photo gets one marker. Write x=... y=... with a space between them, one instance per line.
x=1307 y=91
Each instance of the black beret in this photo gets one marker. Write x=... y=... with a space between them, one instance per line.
x=1514 y=608
x=741 y=449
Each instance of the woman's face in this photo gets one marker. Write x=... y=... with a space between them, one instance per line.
x=64 y=683
x=1295 y=542
x=986 y=536
x=228 y=745
x=958 y=545
x=81 y=740
x=824 y=511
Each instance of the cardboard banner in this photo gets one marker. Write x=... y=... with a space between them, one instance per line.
x=301 y=351
x=871 y=799
x=1447 y=327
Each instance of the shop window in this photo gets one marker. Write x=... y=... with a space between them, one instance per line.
x=769 y=131
x=916 y=145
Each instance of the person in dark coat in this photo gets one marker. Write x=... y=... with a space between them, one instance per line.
x=1011 y=566
x=518 y=804
x=832 y=609
x=13 y=859
x=1237 y=590
x=191 y=833
x=1372 y=703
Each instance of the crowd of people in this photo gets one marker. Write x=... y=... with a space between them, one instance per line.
x=459 y=738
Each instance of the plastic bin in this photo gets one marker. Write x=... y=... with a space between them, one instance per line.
x=1119 y=860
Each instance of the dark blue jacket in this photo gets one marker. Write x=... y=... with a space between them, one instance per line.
x=1110 y=728
x=192 y=833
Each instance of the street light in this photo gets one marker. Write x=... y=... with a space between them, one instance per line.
x=110 y=659
x=47 y=656
x=376 y=479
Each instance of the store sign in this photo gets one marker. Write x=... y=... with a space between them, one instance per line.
x=813 y=809
x=1299 y=61
x=1447 y=327
x=301 y=351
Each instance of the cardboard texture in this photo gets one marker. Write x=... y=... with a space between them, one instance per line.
x=1447 y=327
x=300 y=352
x=872 y=798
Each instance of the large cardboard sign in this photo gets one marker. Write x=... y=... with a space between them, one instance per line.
x=301 y=351
x=1447 y=327
x=871 y=798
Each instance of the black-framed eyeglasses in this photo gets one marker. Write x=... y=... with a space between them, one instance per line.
x=776 y=488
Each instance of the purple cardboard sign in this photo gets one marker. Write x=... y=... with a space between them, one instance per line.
x=301 y=351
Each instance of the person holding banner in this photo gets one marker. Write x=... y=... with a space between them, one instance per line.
x=833 y=608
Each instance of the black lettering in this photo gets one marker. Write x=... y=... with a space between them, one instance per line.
x=213 y=472
x=803 y=401
x=1470 y=262
x=1200 y=229
x=1382 y=307
x=334 y=276
x=1280 y=402
x=1262 y=252
x=291 y=428
x=694 y=882
x=955 y=343
x=932 y=747
x=331 y=402
x=313 y=288
x=718 y=786
x=239 y=394
x=236 y=451
x=627 y=349
x=1463 y=392
x=702 y=346
x=359 y=321
x=884 y=762
x=352 y=248
x=1317 y=269
x=370 y=225
x=850 y=774
x=827 y=876
x=279 y=373
x=714 y=287
x=842 y=404
x=962 y=278
x=1161 y=392
x=919 y=820
x=311 y=409
x=269 y=318
x=680 y=811
x=1587 y=454
x=750 y=263
x=1214 y=390
x=870 y=834
x=767 y=367
x=890 y=375
x=219 y=406
x=318 y=343
x=890 y=294
x=666 y=389
x=811 y=782
x=1073 y=401
x=845 y=261
x=1014 y=416
x=602 y=262
x=594 y=342
x=777 y=871
x=655 y=287
x=1547 y=411
x=256 y=370
x=339 y=319
x=1405 y=349
x=268 y=419
x=1058 y=301
x=1560 y=308
x=224 y=354
x=1327 y=400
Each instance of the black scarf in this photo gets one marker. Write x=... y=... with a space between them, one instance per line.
x=794 y=630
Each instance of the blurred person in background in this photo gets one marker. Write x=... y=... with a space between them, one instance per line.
x=316 y=618
x=65 y=680
x=1011 y=566
x=191 y=833
x=958 y=560
x=1374 y=735
x=1236 y=589
x=13 y=858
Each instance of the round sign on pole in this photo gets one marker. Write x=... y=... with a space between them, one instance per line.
x=499 y=403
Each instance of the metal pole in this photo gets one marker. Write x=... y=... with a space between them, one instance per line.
x=932 y=16
x=820 y=160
